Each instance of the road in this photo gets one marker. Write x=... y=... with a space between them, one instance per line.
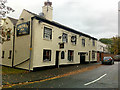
x=105 y=76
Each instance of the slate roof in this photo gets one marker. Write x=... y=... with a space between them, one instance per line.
x=59 y=25
x=13 y=20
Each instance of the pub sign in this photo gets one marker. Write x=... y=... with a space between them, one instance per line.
x=23 y=29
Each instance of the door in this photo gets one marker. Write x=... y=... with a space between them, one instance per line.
x=89 y=56
x=57 y=59
x=100 y=56
x=82 y=58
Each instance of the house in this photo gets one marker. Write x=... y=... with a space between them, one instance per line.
x=39 y=41
x=101 y=50
x=7 y=36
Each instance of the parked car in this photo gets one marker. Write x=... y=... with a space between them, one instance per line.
x=108 y=60
x=116 y=58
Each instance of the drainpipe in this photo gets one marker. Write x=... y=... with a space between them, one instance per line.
x=13 y=47
x=31 y=44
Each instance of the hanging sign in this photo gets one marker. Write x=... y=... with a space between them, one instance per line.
x=61 y=45
x=23 y=29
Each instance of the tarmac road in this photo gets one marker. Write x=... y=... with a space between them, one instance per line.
x=105 y=76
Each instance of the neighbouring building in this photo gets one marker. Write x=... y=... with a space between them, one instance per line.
x=7 y=40
x=101 y=50
x=38 y=41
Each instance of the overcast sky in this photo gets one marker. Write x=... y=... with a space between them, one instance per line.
x=98 y=18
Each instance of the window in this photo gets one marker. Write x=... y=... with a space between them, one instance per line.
x=47 y=33
x=73 y=39
x=46 y=55
x=8 y=35
x=93 y=54
x=62 y=55
x=0 y=39
x=83 y=42
x=70 y=55
x=93 y=42
x=64 y=38
x=3 y=52
x=10 y=53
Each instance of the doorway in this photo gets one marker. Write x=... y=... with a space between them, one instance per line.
x=57 y=59
x=82 y=58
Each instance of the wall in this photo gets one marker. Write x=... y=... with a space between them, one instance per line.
x=8 y=45
x=22 y=45
x=39 y=43
x=102 y=47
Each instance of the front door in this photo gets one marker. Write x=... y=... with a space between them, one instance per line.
x=57 y=59
x=82 y=58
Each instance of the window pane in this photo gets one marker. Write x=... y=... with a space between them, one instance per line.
x=83 y=42
x=64 y=37
x=62 y=55
x=70 y=55
x=47 y=55
x=47 y=33
x=3 y=52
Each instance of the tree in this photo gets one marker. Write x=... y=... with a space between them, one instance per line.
x=105 y=40
x=4 y=10
x=113 y=44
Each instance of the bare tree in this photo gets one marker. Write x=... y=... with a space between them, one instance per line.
x=4 y=10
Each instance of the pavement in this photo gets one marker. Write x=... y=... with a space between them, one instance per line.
x=42 y=73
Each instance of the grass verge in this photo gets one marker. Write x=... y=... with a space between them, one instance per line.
x=8 y=70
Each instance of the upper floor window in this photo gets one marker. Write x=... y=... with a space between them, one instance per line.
x=93 y=42
x=46 y=55
x=73 y=39
x=8 y=35
x=47 y=33
x=83 y=42
x=70 y=55
x=65 y=38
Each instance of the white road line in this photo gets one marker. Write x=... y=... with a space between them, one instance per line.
x=95 y=80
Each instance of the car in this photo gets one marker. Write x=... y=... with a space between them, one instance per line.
x=108 y=60
x=116 y=58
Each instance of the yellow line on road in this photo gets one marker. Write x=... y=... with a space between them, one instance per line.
x=60 y=76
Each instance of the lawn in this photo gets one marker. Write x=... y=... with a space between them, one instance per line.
x=8 y=70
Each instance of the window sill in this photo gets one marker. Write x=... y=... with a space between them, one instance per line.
x=46 y=61
x=70 y=61
x=47 y=39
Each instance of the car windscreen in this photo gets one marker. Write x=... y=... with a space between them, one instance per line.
x=107 y=58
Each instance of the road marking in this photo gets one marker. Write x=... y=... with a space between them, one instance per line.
x=59 y=76
x=95 y=80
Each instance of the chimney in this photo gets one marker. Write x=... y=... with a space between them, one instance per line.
x=47 y=9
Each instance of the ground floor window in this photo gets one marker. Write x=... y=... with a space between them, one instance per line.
x=46 y=55
x=70 y=55
x=93 y=55
x=62 y=55
x=3 y=52
x=10 y=53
